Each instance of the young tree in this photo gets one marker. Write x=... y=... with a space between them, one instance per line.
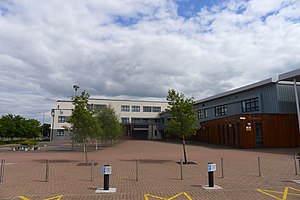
x=109 y=123
x=83 y=124
x=183 y=117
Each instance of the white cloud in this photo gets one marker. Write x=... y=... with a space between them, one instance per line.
x=139 y=49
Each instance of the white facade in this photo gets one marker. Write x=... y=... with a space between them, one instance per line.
x=140 y=117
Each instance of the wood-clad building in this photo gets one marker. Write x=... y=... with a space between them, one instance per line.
x=263 y=114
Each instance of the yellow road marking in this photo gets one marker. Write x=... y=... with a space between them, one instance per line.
x=170 y=198
x=285 y=193
x=51 y=198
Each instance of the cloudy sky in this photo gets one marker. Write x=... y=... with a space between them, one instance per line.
x=137 y=49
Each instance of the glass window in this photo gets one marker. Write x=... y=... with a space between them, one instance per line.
x=135 y=108
x=125 y=120
x=202 y=113
x=60 y=132
x=147 y=108
x=221 y=110
x=95 y=106
x=250 y=105
x=156 y=109
x=125 y=108
x=61 y=119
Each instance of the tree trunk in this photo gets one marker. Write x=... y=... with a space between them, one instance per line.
x=184 y=152
x=85 y=152
x=96 y=144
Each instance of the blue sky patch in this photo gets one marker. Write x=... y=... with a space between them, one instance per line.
x=189 y=8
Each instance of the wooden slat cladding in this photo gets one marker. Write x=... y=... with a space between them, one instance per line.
x=243 y=131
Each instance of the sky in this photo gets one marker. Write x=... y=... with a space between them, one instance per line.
x=133 y=49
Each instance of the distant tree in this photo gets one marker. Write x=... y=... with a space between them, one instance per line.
x=183 y=117
x=109 y=123
x=16 y=126
x=8 y=126
x=32 y=128
x=83 y=124
x=45 y=129
x=20 y=124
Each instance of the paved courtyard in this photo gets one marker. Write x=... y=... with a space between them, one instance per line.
x=159 y=175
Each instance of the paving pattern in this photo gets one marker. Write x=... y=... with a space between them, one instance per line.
x=159 y=175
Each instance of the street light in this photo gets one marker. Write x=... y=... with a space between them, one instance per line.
x=76 y=87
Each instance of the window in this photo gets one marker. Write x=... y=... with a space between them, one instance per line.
x=125 y=120
x=135 y=108
x=125 y=108
x=221 y=110
x=95 y=106
x=250 y=105
x=202 y=113
x=156 y=109
x=147 y=108
x=61 y=119
x=60 y=132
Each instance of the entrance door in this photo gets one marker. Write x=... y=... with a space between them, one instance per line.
x=259 y=136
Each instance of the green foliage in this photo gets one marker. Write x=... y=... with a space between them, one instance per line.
x=45 y=129
x=16 y=126
x=109 y=123
x=29 y=142
x=82 y=122
x=183 y=117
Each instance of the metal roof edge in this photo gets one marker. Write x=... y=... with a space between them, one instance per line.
x=289 y=75
x=237 y=90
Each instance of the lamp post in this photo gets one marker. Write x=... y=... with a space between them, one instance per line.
x=76 y=87
x=52 y=114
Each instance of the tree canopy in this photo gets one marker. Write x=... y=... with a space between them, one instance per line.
x=109 y=123
x=82 y=122
x=16 y=126
x=183 y=118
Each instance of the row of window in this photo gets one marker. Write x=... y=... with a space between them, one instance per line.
x=126 y=108
x=126 y=120
x=248 y=105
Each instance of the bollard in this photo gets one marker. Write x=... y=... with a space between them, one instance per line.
x=211 y=169
x=259 y=171
x=137 y=170
x=222 y=168
x=181 y=169
x=47 y=170
x=106 y=171
x=92 y=166
x=295 y=161
x=2 y=170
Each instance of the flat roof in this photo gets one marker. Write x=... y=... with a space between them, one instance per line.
x=127 y=100
x=288 y=76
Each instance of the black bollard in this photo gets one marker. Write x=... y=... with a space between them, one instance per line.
x=106 y=181
x=106 y=171
x=211 y=169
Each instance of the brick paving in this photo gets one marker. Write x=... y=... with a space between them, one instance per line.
x=159 y=175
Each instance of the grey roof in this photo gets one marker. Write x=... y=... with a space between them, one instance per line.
x=289 y=76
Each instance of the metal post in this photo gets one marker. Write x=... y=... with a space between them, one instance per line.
x=92 y=166
x=181 y=169
x=137 y=169
x=47 y=170
x=2 y=171
x=259 y=171
x=106 y=179
x=222 y=169
x=297 y=103
x=295 y=161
